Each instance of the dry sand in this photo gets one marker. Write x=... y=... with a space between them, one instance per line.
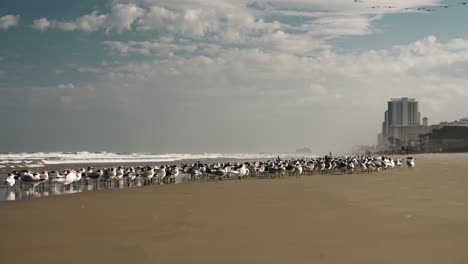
x=398 y=216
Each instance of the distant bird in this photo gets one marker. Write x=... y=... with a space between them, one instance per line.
x=94 y=175
x=10 y=180
x=161 y=173
x=410 y=163
x=424 y=9
x=110 y=174
x=70 y=177
x=148 y=174
x=130 y=174
x=174 y=172
x=30 y=179
x=399 y=163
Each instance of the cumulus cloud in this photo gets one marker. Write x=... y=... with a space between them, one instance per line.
x=121 y=17
x=9 y=21
x=41 y=24
x=152 y=47
x=235 y=21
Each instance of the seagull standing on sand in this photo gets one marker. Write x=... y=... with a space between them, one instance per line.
x=10 y=180
x=119 y=173
x=161 y=174
x=243 y=171
x=130 y=174
x=70 y=177
x=148 y=174
x=410 y=162
x=29 y=179
x=174 y=173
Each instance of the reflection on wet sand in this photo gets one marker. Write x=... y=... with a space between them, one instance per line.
x=20 y=192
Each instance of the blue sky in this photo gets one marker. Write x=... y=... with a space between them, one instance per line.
x=151 y=69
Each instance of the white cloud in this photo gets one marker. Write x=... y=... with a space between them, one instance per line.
x=87 y=23
x=152 y=47
x=9 y=21
x=66 y=86
x=41 y=24
x=239 y=22
x=121 y=17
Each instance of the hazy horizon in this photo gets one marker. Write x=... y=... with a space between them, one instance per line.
x=224 y=76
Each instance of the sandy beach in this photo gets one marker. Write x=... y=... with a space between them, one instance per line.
x=398 y=216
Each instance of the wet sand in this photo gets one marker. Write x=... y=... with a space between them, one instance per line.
x=399 y=216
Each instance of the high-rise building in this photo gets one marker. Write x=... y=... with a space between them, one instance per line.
x=403 y=112
x=402 y=121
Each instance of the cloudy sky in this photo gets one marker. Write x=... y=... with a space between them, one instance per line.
x=223 y=75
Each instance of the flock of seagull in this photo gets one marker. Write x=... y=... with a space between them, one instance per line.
x=166 y=174
x=420 y=9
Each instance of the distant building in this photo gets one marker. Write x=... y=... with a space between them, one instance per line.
x=460 y=123
x=402 y=123
x=426 y=121
x=446 y=139
x=303 y=150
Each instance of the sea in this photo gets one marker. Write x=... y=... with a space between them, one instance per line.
x=40 y=159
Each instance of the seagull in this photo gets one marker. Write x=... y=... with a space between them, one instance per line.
x=30 y=179
x=196 y=173
x=110 y=173
x=79 y=174
x=161 y=174
x=174 y=173
x=55 y=177
x=298 y=169
x=70 y=177
x=148 y=174
x=410 y=162
x=119 y=173
x=130 y=174
x=243 y=171
x=95 y=175
x=10 y=180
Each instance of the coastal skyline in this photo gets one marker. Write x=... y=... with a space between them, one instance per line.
x=222 y=76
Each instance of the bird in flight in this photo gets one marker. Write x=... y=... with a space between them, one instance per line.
x=421 y=9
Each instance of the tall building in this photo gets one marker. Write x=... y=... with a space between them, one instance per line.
x=402 y=122
x=403 y=112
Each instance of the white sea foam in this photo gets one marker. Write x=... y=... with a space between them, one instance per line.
x=38 y=159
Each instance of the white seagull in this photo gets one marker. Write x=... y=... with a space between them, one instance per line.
x=10 y=180
x=410 y=162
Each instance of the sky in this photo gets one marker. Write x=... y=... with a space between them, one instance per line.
x=196 y=76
